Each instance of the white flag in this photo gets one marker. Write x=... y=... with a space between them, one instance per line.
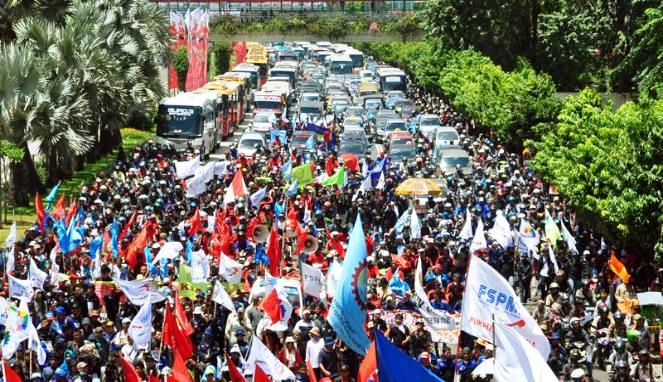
x=140 y=328
x=221 y=297
x=34 y=344
x=169 y=250
x=10 y=260
x=11 y=237
x=415 y=225
x=312 y=280
x=257 y=197
x=487 y=293
x=570 y=240
x=199 y=266
x=36 y=276
x=515 y=360
x=5 y=308
x=501 y=231
x=479 y=240
x=195 y=186
x=381 y=182
x=230 y=269
x=20 y=288
x=140 y=291
x=528 y=238
x=261 y=355
x=553 y=259
x=16 y=330
x=55 y=268
x=466 y=232
x=187 y=168
x=435 y=319
x=334 y=274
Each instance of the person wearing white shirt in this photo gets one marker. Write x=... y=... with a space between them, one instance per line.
x=313 y=348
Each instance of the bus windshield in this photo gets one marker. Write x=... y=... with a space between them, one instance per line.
x=178 y=121
x=340 y=67
x=395 y=82
x=268 y=105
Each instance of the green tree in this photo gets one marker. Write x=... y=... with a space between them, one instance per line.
x=181 y=66
x=609 y=166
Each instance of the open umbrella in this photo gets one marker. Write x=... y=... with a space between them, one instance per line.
x=418 y=187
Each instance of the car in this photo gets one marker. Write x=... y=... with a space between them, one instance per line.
x=372 y=102
x=358 y=135
x=393 y=125
x=352 y=122
x=381 y=118
x=404 y=107
x=262 y=121
x=428 y=123
x=355 y=111
x=249 y=142
x=309 y=110
x=392 y=96
x=300 y=138
x=354 y=147
x=399 y=138
x=310 y=96
x=401 y=153
x=454 y=158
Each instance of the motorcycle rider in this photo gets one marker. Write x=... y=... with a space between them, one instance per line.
x=602 y=320
x=643 y=370
x=622 y=373
x=619 y=354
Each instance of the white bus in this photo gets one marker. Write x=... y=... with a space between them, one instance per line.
x=188 y=118
x=271 y=102
x=392 y=79
x=340 y=65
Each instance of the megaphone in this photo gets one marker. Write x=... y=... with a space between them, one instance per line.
x=310 y=245
x=260 y=233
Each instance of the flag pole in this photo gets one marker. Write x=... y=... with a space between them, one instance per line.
x=30 y=359
x=494 y=342
x=460 y=332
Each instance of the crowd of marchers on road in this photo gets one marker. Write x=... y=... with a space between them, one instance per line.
x=217 y=269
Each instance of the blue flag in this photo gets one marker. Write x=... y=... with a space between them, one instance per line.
x=347 y=314
x=396 y=366
x=51 y=195
x=114 y=236
x=403 y=220
x=257 y=197
x=72 y=237
x=95 y=246
x=279 y=208
x=286 y=170
x=292 y=190
x=377 y=170
x=315 y=128
x=310 y=143
x=398 y=286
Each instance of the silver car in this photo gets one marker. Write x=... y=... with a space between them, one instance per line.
x=453 y=159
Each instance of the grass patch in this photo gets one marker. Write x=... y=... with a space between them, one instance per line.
x=25 y=216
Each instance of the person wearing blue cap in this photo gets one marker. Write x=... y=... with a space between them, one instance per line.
x=328 y=359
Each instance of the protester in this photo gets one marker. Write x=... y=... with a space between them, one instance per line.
x=137 y=235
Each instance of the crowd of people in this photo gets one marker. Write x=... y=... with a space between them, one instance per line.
x=82 y=318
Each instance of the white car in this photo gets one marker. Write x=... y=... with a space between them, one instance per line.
x=249 y=142
x=262 y=121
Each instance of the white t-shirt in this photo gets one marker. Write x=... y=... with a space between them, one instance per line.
x=313 y=349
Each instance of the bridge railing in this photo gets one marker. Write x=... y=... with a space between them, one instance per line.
x=262 y=9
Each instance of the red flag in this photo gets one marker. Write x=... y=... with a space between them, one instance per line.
x=351 y=161
x=196 y=223
x=58 y=211
x=335 y=244
x=130 y=374
x=41 y=213
x=153 y=378
x=10 y=374
x=251 y=227
x=71 y=211
x=236 y=189
x=127 y=227
x=368 y=370
x=310 y=372
x=271 y=305
x=137 y=247
x=274 y=251
x=301 y=238
x=174 y=336
x=182 y=319
x=235 y=375
x=180 y=371
x=260 y=375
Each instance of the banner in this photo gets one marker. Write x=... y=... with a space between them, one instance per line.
x=435 y=319
x=488 y=295
x=20 y=288
x=312 y=280
x=197 y=40
x=178 y=36
x=185 y=169
x=282 y=134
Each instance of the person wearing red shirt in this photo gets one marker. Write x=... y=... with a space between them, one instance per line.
x=331 y=164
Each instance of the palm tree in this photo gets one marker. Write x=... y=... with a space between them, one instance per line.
x=19 y=91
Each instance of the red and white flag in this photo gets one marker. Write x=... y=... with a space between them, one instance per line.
x=236 y=189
